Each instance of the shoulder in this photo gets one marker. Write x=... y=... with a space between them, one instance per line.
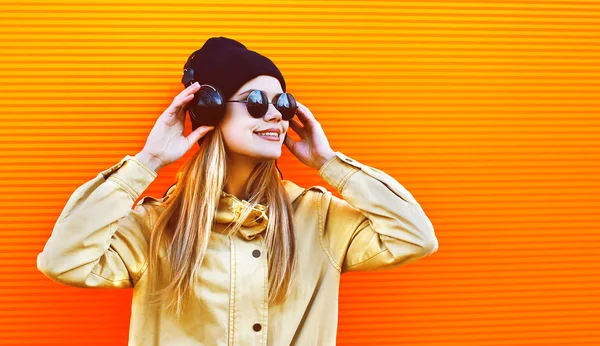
x=296 y=191
x=150 y=201
x=148 y=209
x=320 y=198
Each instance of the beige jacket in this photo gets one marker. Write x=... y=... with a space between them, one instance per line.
x=100 y=241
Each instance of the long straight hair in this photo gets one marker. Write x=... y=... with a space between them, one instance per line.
x=185 y=224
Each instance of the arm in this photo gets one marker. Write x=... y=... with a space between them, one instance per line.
x=377 y=225
x=98 y=240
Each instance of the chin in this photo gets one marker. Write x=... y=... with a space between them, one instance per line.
x=267 y=156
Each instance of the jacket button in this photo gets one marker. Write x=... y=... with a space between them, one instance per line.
x=256 y=253
x=257 y=327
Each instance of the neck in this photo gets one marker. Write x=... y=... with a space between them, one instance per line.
x=239 y=168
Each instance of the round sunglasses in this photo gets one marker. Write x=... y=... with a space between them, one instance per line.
x=257 y=104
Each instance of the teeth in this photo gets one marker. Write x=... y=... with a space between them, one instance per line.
x=272 y=134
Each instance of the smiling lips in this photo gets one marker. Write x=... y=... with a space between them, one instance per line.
x=268 y=136
x=271 y=134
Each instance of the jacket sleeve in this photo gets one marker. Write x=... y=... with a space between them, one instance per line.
x=98 y=240
x=377 y=225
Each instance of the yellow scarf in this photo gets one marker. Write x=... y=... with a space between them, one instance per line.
x=229 y=211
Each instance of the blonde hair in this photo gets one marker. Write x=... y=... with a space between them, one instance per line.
x=184 y=225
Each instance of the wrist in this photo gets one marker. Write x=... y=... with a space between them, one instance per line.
x=149 y=160
x=330 y=155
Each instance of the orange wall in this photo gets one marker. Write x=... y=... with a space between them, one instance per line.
x=489 y=113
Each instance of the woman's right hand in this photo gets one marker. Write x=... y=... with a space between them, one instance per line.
x=166 y=143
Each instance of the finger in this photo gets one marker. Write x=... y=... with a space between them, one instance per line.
x=297 y=127
x=289 y=142
x=197 y=134
x=189 y=90
x=180 y=100
x=178 y=104
x=304 y=114
x=181 y=108
x=184 y=96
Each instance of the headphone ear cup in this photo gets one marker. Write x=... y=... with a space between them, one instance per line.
x=187 y=78
x=208 y=106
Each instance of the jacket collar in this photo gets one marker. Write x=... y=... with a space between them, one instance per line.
x=294 y=191
x=230 y=207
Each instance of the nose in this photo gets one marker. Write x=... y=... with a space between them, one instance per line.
x=272 y=113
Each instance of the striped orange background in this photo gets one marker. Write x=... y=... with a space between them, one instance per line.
x=488 y=112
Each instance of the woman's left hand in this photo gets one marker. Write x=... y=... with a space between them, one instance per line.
x=313 y=150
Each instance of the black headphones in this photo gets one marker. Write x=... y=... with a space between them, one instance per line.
x=208 y=105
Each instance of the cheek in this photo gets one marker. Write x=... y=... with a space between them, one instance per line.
x=236 y=128
x=239 y=139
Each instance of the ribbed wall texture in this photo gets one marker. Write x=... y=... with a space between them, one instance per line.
x=488 y=112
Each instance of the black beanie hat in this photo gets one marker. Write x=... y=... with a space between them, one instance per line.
x=227 y=65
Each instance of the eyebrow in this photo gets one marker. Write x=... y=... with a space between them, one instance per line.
x=245 y=92
x=249 y=90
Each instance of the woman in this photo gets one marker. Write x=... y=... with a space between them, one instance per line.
x=267 y=269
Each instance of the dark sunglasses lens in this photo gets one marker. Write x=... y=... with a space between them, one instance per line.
x=286 y=105
x=258 y=103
